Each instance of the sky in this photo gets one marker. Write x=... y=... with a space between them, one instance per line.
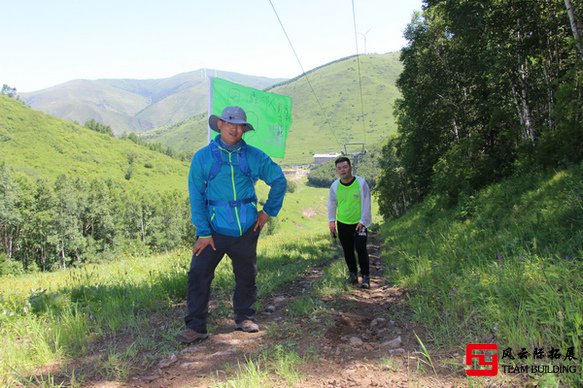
x=47 y=42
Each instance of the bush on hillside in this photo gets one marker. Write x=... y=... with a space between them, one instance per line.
x=9 y=267
x=291 y=186
x=322 y=175
x=96 y=126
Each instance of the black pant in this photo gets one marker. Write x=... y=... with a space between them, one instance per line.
x=350 y=240
x=243 y=253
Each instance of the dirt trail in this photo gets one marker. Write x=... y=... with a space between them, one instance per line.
x=365 y=341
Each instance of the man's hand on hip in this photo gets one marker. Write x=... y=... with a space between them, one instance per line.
x=262 y=219
x=201 y=244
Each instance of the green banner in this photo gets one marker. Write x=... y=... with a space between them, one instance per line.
x=269 y=113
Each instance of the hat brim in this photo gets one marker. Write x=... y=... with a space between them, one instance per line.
x=214 y=123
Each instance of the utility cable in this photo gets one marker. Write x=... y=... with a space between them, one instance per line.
x=358 y=71
x=327 y=121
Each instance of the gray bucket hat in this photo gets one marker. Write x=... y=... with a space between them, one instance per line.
x=233 y=115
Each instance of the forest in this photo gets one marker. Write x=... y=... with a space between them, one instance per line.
x=489 y=89
x=47 y=226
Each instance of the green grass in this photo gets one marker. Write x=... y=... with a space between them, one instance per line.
x=70 y=310
x=270 y=368
x=42 y=146
x=505 y=265
x=315 y=128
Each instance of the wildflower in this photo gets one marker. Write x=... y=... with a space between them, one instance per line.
x=499 y=257
x=500 y=266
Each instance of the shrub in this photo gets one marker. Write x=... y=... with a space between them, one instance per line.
x=291 y=186
x=9 y=267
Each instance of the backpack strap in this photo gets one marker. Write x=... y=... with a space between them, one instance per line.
x=217 y=162
x=243 y=164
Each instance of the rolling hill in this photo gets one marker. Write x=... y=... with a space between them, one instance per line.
x=326 y=115
x=42 y=146
x=131 y=105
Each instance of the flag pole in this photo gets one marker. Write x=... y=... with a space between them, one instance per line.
x=210 y=101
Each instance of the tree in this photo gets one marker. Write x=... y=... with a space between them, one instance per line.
x=393 y=191
x=40 y=235
x=485 y=86
x=10 y=215
x=96 y=126
x=576 y=27
x=9 y=91
x=69 y=200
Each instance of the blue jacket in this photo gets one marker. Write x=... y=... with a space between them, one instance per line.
x=227 y=204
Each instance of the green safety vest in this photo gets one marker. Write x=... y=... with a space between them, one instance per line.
x=349 y=205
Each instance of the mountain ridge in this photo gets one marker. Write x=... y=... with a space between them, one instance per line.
x=134 y=105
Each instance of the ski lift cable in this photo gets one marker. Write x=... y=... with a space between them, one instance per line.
x=304 y=73
x=358 y=71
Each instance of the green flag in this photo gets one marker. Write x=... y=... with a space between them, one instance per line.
x=269 y=113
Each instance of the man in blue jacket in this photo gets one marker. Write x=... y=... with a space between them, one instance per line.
x=221 y=184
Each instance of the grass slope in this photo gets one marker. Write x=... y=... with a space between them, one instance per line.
x=325 y=119
x=190 y=134
x=505 y=266
x=42 y=146
x=135 y=105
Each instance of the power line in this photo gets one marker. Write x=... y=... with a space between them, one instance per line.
x=304 y=73
x=358 y=70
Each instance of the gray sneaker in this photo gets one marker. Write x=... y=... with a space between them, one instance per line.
x=188 y=336
x=248 y=326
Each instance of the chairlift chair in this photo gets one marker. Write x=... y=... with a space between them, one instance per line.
x=356 y=154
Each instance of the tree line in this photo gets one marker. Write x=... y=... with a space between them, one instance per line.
x=489 y=88
x=48 y=225
x=96 y=126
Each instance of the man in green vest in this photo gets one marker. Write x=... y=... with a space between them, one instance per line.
x=349 y=211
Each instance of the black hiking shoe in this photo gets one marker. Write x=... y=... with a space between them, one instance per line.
x=365 y=282
x=353 y=279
